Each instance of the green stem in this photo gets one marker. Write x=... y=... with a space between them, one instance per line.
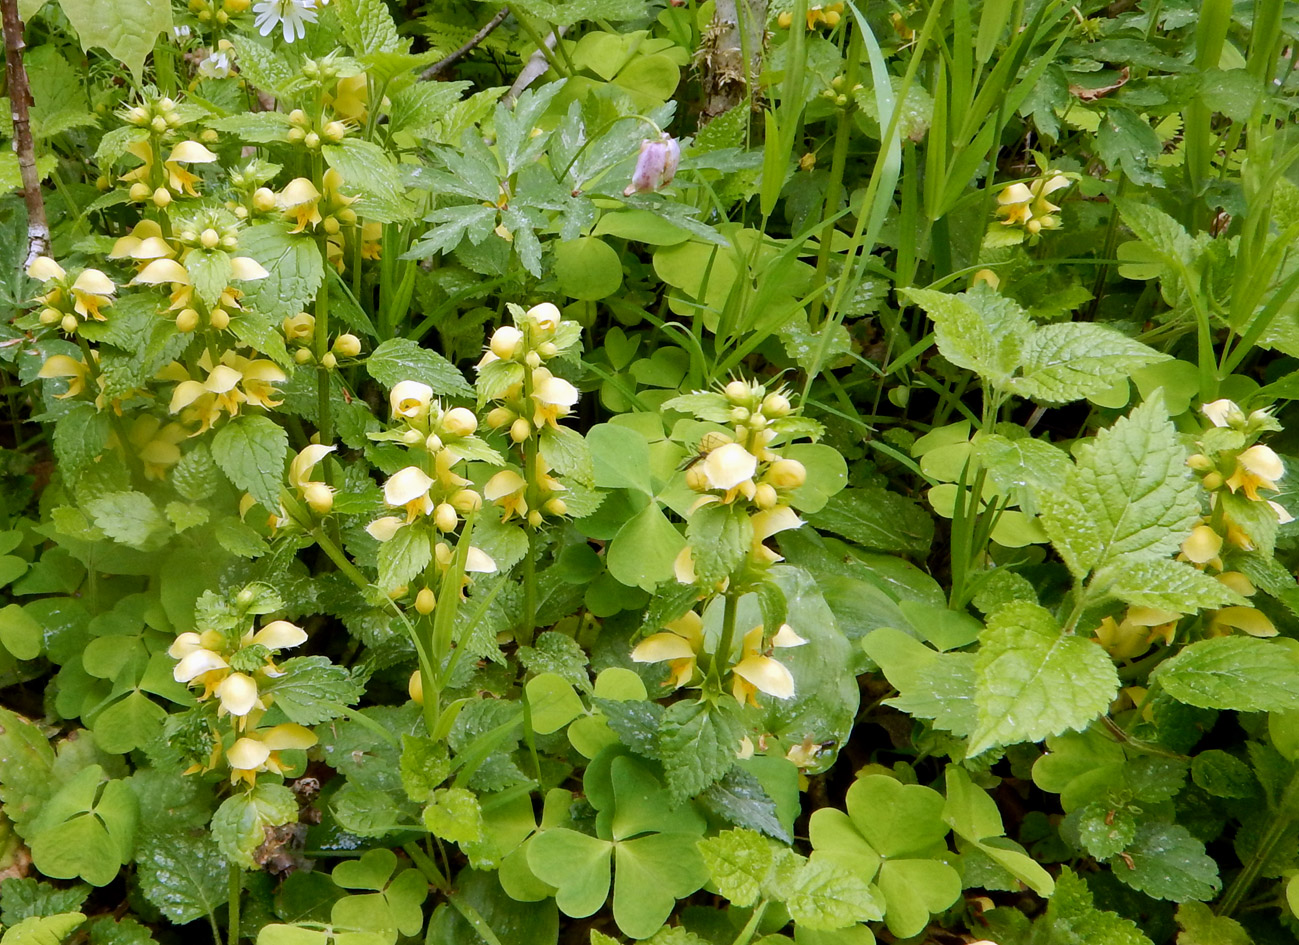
x=540 y=43
x=529 y=625
x=424 y=863
x=751 y=927
x=326 y=422
x=236 y=889
x=723 y=654
x=1282 y=819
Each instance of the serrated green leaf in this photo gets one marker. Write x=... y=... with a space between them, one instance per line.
x=368 y=26
x=405 y=556
x=1166 y=862
x=130 y=518
x=251 y=452
x=295 y=267
x=240 y=823
x=978 y=330
x=1067 y=362
x=1034 y=680
x=127 y=29
x=454 y=815
x=1074 y=920
x=1242 y=673
x=312 y=689
x=697 y=746
x=44 y=930
x=184 y=876
x=740 y=863
x=877 y=519
x=720 y=537
x=821 y=896
x=1166 y=584
x=400 y=359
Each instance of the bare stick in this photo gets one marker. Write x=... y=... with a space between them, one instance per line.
x=443 y=64
x=38 y=229
x=535 y=67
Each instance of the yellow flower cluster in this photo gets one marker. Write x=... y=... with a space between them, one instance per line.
x=741 y=466
x=1027 y=206
x=682 y=643
x=218 y=12
x=818 y=14
x=533 y=400
x=226 y=386
x=68 y=302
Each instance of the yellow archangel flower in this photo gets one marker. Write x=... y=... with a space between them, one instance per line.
x=679 y=644
x=318 y=495
x=552 y=396
x=259 y=750
x=757 y=672
x=62 y=365
x=1256 y=468
x=300 y=201
x=236 y=380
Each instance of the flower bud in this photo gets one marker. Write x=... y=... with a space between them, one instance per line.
x=138 y=115
x=416 y=688
x=505 y=341
x=737 y=392
x=186 y=320
x=50 y=315
x=466 y=501
x=547 y=349
x=764 y=496
x=499 y=417
x=303 y=356
x=263 y=200
x=656 y=165
x=230 y=241
x=347 y=345
x=69 y=323
x=557 y=507
x=319 y=496
x=295 y=135
x=776 y=406
x=532 y=359
x=1213 y=481
x=434 y=443
x=459 y=421
x=312 y=140
x=330 y=223
x=329 y=361
x=1199 y=462
x=425 y=601
x=696 y=479
x=219 y=319
x=159 y=124
x=520 y=430
x=102 y=183
x=786 y=474
x=209 y=238
x=335 y=131
x=445 y=517
x=534 y=518
x=346 y=216
x=139 y=191
x=244 y=598
x=161 y=197
x=298 y=117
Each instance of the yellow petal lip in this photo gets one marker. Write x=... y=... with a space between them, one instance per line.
x=191 y=152
x=1202 y=545
x=662 y=646
x=1282 y=514
x=1237 y=582
x=786 y=637
x=94 y=282
x=152 y=247
x=280 y=634
x=43 y=269
x=305 y=461
x=410 y=398
x=382 y=529
x=506 y=482
x=222 y=379
x=545 y=315
x=555 y=392
x=767 y=675
x=60 y=365
x=1247 y=619
x=774 y=520
x=238 y=693
x=246 y=269
x=406 y=485
x=1220 y=412
x=298 y=192
x=1262 y=462
x=248 y=754
x=185 y=644
x=186 y=393
x=479 y=561
x=196 y=664
x=684 y=566
x=1015 y=193
x=160 y=271
x=286 y=736
x=728 y=466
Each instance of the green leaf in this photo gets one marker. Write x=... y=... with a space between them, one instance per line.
x=821 y=896
x=130 y=518
x=1071 y=361
x=1201 y=927
x=579 y=863
x=86 y=830
x=368 y=26
x=44 y=930
x=293 y=261
x=1126 y=141
x=240 y=823
x=878 y=519
x=313 y=689
x=651 y=874
x=251 y=451
x=1166 y=862
x=424 y=766
x=1129 y=497
x=720 y=537
x=400 y=359
x=417 y=109
x=184 y=876
x=1166 y=584
x=405 y=556
x=740 y=863
x=553 y=701
x=368 y=171
x=23 y=898
x=642 y=553
x=129 y=723
x=20 y=633
x=588 y=268
x=1074 y=920
x=1034 y=680
x=698 y=745
x=127 y=29
x=978 y=330
x=26 y=770
x=256 y=127
x=1242 y=673
x=454 y=815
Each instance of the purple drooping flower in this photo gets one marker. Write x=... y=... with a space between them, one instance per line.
x=655 y=166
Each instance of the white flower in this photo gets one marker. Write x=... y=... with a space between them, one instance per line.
x=1222 y=413
x=215 y=66
x=292 y=16
x=410 y=399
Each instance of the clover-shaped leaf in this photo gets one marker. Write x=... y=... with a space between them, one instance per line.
x=86 y=830
x=392 y=905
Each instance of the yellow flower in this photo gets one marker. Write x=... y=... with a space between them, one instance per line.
x=756 y=672
x=300 y=201
x=1256 y=468
x=143 y=243
x=45 y=269
x=235 y=381
x=409 y=489
x=237 y=695
x=770 y=522
x=507 y=488
x=1202 y=545
x=1140 y=627
x=1223 y=413
x=679 y=644
x=259 y=749
x=1246 y=619
x=410 y=400
x=92 y=291
x=318 y=495
x=554 y=398
x=157 y=446
x=351 y=98
x=61 y=365
x=1013 y=205
x=199 y=662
